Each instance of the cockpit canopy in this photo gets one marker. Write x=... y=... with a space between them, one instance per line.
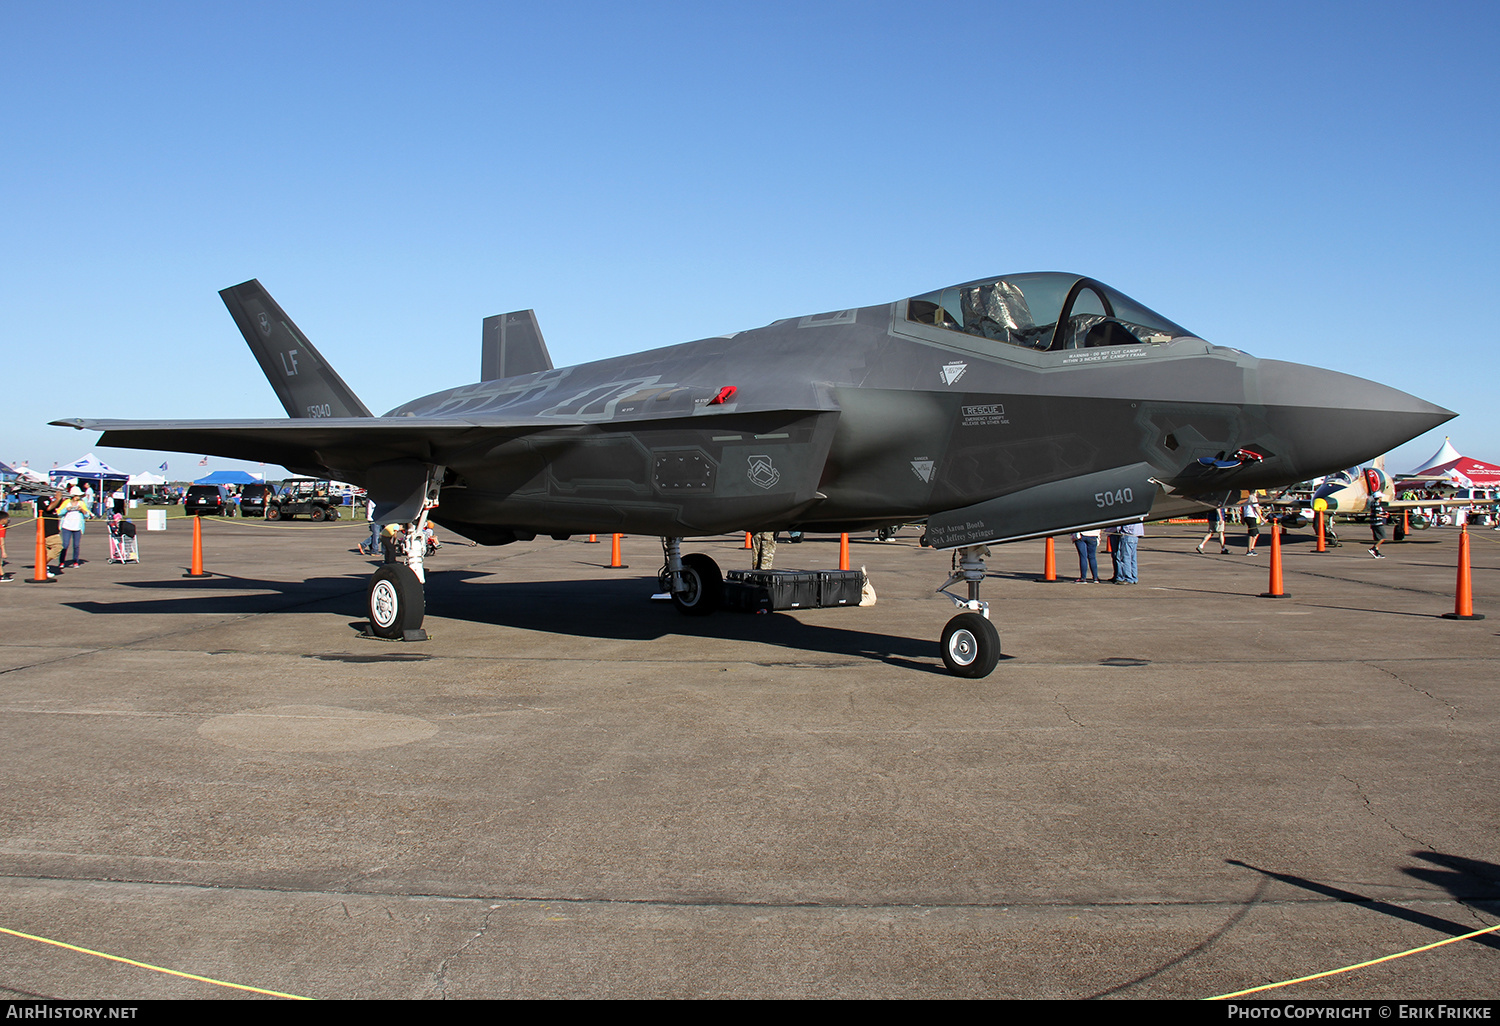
x=1046 y=310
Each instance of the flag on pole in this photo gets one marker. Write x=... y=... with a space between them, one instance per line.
x=162 y=468
x=203 y=462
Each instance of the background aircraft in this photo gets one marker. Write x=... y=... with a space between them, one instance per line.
x=996 y=410
x=1348 y=492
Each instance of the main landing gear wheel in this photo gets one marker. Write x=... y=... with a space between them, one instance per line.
x=702 y=586
x=395 y=601
x=971 y=646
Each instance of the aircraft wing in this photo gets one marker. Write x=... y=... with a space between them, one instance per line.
x=345 y=444
x=549 y=472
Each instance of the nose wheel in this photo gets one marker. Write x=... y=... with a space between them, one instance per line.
x=970 y=644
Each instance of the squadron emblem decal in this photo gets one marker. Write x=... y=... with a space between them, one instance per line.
x=951 y=372
x=265 y=324
x=763 y=473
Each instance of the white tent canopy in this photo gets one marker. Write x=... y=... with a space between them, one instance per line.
x=147 y=478
x=89 y=466
x=1447 y=454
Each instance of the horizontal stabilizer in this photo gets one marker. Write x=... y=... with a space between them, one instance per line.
x=304 y=382
x=513 y=346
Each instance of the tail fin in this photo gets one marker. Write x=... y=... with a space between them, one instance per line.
x=304 y=382
x=513 y=345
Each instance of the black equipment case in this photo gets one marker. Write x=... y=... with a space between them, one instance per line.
x=755 y=591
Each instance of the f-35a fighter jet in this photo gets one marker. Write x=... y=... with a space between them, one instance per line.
x=997 y=410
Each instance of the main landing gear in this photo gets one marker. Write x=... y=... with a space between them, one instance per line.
x=694 y=581
x=970 y=643
x=395 y=598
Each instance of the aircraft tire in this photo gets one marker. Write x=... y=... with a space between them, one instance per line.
x=971 y=646
x=272 y=513
x=1399 y=532
x=394 y=601
x=704 y=591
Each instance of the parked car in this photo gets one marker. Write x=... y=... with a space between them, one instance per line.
x=208 y=500
x=254 y=498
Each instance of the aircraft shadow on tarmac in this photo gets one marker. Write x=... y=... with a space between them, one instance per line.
x=617 y=608
x=1468 y=880
x=611 y=608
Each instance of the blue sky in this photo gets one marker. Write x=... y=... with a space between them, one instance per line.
x=1310 y=182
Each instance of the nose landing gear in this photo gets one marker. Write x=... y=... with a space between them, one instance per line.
x=970 y=643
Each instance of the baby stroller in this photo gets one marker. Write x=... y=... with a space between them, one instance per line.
x=122 y=547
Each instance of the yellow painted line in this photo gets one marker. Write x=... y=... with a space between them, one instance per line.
x=1360 y=965
x=153 y=968
x=276 y=526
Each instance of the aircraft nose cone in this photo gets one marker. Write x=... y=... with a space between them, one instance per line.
x=1328 y=421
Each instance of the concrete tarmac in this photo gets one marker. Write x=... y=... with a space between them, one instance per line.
x=1177 y=789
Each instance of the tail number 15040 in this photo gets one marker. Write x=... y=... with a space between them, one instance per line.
x=1118 y=497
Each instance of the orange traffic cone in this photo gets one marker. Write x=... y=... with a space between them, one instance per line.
x=40 y=575
x=1322 y=535
x=1049 y=562
x=614 y=553
x=1276 y=589
x=1463 y=599
x=844 y=551
x=593 y=540
x=196 y=570
x=747 y=539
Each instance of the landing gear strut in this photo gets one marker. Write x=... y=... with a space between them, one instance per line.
x=970 y=643
x=694 y=581
x=395 y=599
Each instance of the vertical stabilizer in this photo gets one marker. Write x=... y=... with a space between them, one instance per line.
x=304 y=382
x=513 y=345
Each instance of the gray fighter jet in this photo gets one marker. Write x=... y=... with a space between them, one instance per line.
x=997 y=410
